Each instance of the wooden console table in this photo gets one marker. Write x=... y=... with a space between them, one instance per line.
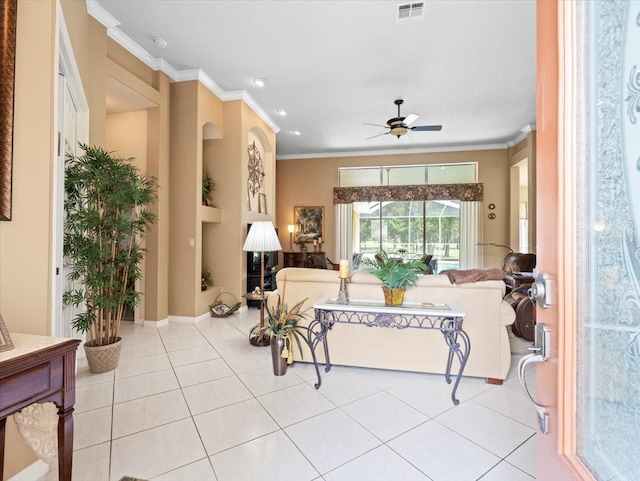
x=40 y=369
x=444 y=317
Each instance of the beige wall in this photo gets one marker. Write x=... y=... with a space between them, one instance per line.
x=26 y=264
x=157 y=238
x=523 y=155
x=311 y=182
x=126 y=135
x=25 y=241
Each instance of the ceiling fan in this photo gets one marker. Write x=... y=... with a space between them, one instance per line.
x=400 y=126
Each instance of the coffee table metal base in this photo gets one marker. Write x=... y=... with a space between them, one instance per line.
x=448 y=322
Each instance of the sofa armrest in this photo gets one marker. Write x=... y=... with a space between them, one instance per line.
x=507 y=314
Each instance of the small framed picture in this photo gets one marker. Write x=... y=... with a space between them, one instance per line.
x=262 y=203
x=5 y=339
x=309 y=221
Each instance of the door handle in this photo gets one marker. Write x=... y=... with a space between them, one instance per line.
x=541 y=291
x=542 y=352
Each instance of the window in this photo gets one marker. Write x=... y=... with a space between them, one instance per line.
x=409 y=229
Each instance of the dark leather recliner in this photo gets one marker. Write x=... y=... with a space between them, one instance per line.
x=518 y=262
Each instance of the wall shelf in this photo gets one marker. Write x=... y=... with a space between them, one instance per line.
x=210 y=214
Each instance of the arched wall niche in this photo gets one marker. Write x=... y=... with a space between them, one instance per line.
x=210 y=131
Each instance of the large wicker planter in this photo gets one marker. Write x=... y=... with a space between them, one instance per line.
x=103 y=358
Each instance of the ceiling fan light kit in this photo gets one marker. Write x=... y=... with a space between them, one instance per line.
x=400 y=126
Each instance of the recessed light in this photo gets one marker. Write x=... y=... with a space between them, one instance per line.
x=160 y=42
x=295 y=132
x=260 y=82
x=282 y=112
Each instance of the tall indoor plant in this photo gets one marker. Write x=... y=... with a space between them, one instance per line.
x=396 y=275
x=106 y=207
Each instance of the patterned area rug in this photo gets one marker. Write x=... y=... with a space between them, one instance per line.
x=518 y=345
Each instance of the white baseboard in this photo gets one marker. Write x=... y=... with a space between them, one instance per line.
x=34 y=471
x=160 y=323
x=189 y=320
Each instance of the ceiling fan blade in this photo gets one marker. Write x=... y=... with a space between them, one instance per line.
x=411 y=118
x=373 y=136
x=424 y=128
x=376 y=125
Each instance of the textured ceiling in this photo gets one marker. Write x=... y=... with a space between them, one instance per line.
x=333 y=65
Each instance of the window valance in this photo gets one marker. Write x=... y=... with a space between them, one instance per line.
x=462 y=192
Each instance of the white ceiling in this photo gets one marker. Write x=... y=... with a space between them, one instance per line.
x=333 y=65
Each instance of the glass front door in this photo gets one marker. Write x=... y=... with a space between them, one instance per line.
x=607 y=186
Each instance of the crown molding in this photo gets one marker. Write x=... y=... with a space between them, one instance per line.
x=101 y=15
x=105 y=18
x=524 y=131
x=417 y=150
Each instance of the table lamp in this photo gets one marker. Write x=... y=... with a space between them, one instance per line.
x=290 y=227
x=261 y=238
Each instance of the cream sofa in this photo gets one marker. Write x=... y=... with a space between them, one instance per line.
x=486 y=321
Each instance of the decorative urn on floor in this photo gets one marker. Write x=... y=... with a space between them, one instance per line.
x=282 y=326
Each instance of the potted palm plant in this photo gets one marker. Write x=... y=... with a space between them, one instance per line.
x=208 y=188
x=396 y=275
x=106 y=208
x=282 y=325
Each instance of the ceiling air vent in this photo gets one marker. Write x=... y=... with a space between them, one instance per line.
x=410 y=12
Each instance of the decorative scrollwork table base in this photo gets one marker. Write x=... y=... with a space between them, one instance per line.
x=444 y=317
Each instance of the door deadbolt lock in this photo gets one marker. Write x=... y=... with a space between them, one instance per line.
x=541 y=290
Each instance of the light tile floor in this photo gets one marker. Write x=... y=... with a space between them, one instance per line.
x=198 y=402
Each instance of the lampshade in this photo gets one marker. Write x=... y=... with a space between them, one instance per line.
x=262 y=237
x=290 y=227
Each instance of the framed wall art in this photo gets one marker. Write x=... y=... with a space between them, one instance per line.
x=8 y=19
x=309 y=222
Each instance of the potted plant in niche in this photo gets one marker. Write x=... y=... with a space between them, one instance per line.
x=282 y=326
x=208 y=188
x=207 y=280
x=396 y=275
x=106 y=208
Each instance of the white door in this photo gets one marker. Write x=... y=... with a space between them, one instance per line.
x=66 y=136
x=67 y=143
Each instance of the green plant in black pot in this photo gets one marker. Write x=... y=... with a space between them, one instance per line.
x=106 y=206
x=396 y=275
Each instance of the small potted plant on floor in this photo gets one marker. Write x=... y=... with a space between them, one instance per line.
x=107 y=214
x=396 y=275
x=282 y=325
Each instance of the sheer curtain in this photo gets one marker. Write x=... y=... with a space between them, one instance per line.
x=344 y=233
x=470 y=233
